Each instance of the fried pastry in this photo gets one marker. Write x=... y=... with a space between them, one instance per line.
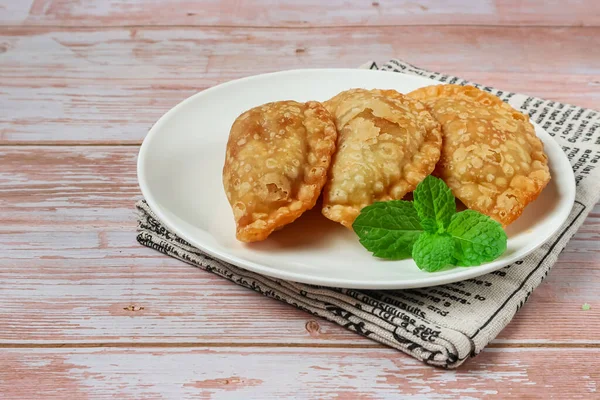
x=387 y=144
x=276 y=165
x=491 y=158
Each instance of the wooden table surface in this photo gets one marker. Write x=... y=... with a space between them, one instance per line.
x=87 y=312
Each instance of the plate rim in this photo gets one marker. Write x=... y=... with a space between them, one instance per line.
x=254 y=267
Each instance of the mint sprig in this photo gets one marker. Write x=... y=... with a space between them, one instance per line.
x=429 y=230
x=388 y=229
x=477 y=238
x=434 y=203
x=433 y=251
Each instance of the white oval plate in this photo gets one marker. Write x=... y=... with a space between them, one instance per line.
x=180 y=165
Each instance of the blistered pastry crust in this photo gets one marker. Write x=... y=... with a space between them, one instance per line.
x=491 y=158
x=387 y=144
x=276 y=164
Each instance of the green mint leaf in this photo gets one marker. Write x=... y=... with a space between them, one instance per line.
x=388 y=229
x=429 y=225
x=478 y=238
x=433 y=251
x=434 y=203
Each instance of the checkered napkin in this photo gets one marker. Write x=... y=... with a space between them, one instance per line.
x=441 y=325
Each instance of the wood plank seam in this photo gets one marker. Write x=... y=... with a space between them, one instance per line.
x=361 y=27
x=108 y=143
x=50 y=345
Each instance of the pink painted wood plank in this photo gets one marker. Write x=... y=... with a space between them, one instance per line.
x=291 y=373
x=71 y=272
x=92 y=294
x=111 y=85
x=70 y=268
x=290 y=13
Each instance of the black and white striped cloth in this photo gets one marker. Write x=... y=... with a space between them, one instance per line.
x=442 y=325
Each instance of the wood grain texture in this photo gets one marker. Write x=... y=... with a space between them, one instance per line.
x=284 y=373
x=68 y=228
x=86 y=312
x=111 y=85
x=290 y=13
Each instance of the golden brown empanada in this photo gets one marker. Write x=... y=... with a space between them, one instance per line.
x=276 y=164
x=387 y=144
x=491 y=158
